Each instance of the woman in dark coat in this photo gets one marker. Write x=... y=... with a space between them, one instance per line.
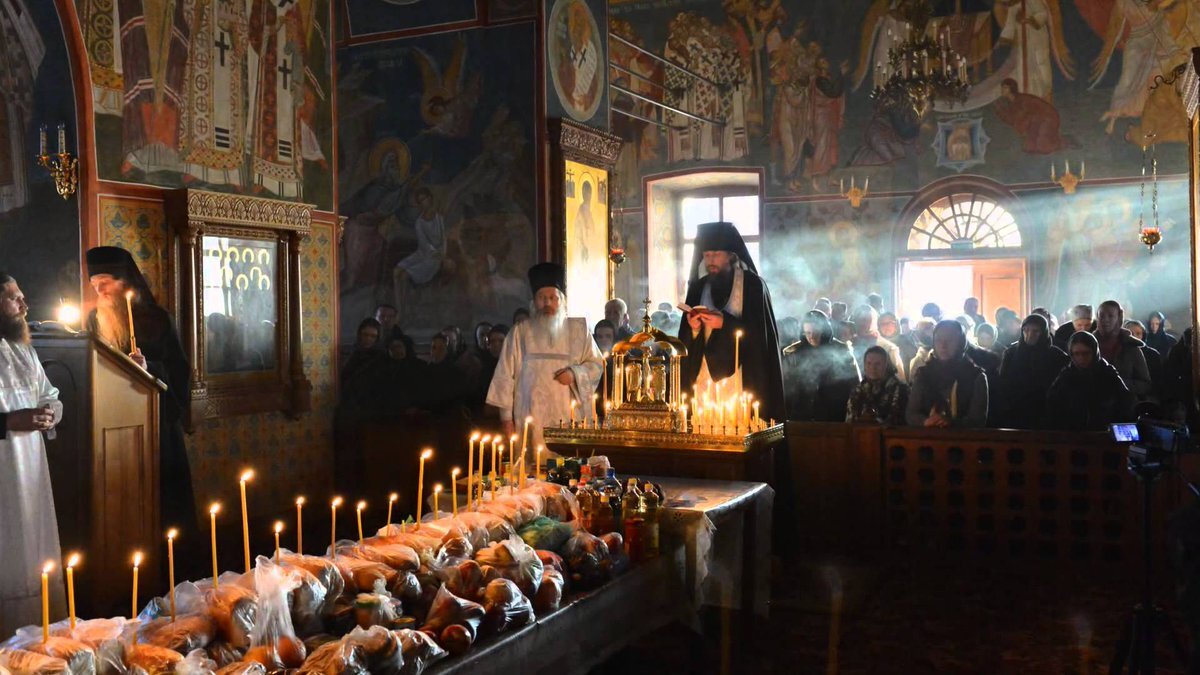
x=819 y=372
x=1089 y=394
x=1027 y=370
x=1157 y=335
x=950 y=390
x=881 y=397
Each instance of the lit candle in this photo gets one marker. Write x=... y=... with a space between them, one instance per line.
x=71 y=563
x=525 y=434
x=299 y=525
x=493 y=476
x=42 y=140
x=437 y=492
x=129 y=311
x=471 y=463
x=538 y=466
x=425 y=454
x=391 y=500
x=278 y=529
x=333 y=507
x=737 y=346
x=573 y=404
x=358 y=509
x=596 y=409
x=137 y=562
x=512 y=468
x=46 y=569
x=213 y=510
x=479 y=474
x=454 y=489
x=247 y=475
x=62 y=138
x=604 y=379
x=171 y=534
x=495 y=443
x=756 y=417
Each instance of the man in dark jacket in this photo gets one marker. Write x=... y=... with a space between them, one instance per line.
x=950 y=390
x=1122 y=350
x=1089 y=394
x=1079 y=318
x=819 y=372
x=1027 y=370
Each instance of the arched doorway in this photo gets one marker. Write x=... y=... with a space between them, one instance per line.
x=962 y=238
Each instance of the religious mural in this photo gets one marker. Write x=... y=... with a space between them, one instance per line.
x=585 y=196
x=437 y=176
x=371 y=17
x=213 y=94
x=576 y=51
x=35 y=89
x=1066 y=79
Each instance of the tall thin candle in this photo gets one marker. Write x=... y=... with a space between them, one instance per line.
x=246 y=476
x=46 y=570
x=479 y=474
x=737 y=346
x=391 y=501
x=525 y=435
x=425 y=454
x=437 y=492
x=213 y=510
x=278 y=529
x=137 y=562
x=299 y=525
x=538 y=466
x=129 y=310
x=494 y=470
x=454 y=490
x=71 y=563
x=358 y=509
x=471 y=463
x=171 y=534
x=333 y=507
x=512 y=468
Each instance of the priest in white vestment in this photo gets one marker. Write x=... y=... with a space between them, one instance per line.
x=29 y=407
x=546 y=362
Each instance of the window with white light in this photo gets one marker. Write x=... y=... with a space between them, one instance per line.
x=964 y=222
x=741 y=210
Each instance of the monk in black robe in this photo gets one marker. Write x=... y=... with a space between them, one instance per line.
x=113 y=272
x=728 y=298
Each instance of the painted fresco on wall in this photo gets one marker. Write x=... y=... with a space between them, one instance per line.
x=1052 y=79
x=212 y=94
x=437 y=176
x=371 y=17
x=508 y=10
x=585 y=196
x=39 y=230
x=576 y=54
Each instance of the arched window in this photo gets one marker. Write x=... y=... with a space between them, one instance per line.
x=963 y=221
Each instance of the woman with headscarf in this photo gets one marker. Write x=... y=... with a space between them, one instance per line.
x=985 y=335
x=1027 y=370
x=1154 y=358
x=1157 y=335
x=881 y=397
x=866 y=324
x=1089 y=394
x=819 y=372
x=950 y=390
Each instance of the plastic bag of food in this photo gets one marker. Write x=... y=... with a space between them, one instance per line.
x=425 y=540
x=550 y=591
x=383 y=649
x=307 y=602
x=336 y=658
x=481 y=528
x=223 y=654
x=196 y=663
x=546 y=533
x=407 y=589
x=420 y=651
x=21 y=662
x=393 y=554
x=106 y=638
x=186 y=633
x=151 y=660
x=243 y=668
x=550 y=559
x=616 y=551
x=80 y=657
x=505 y=606
x=360 y=575
x=456 y=547
x=464 y=578
x=273 y=640
x=377 y=608
x=560 y=504
x=454 y=620
x=325 y=572
x=588 y=560
x=516 y=561
x=234 y=609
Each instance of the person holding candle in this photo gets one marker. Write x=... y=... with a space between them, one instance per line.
x=546 y=362
x=29 y=408
x=728 y=297
x=113 y=272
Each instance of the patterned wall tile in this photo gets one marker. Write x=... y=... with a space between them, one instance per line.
x=138 y=226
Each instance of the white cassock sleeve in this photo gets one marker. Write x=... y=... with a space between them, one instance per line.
x=502 y=390
x=587 y=370
x=47 y=392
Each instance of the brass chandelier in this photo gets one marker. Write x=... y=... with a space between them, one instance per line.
x=920 y=70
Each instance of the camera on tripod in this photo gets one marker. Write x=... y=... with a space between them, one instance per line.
x=1155 y=445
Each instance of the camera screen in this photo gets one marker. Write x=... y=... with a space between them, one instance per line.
x=1125 y=433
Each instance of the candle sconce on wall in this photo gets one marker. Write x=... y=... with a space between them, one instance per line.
x=855 y=194
x=1068 y=181
x=64 y=168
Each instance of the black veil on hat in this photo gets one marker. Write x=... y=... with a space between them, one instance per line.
x=546 y=274
x=120 y=264
x=719 y=236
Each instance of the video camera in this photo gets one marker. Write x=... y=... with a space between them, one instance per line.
x=1155 y=444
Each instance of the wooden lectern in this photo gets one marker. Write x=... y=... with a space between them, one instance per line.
x=104 y=467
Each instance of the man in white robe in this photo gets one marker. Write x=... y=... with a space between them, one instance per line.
x=29 y=406
x=546 y=362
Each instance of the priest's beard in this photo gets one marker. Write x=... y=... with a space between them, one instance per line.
x=548 y=327
x=112 y=320
x=721 y=284
x=14 y=329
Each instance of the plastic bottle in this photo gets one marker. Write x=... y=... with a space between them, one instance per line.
x=650 y=547
x=587 y=505
x=631 y=503
x=603 y=521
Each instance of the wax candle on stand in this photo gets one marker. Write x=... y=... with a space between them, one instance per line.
x=737 y=346
x=512 y=468
x=299 y=525
x=391 y=500
x=213 y=510
x=46 y=570
x=437 y=492
x=71 y=563
x=333 y=507
x=596 y=410
x=171 y=534
x=129 y=311
x=246 y=476
x=454 y=489
x=756 y=418
x=574 y=403
x=137 y=562
x=471 y=463
x=538 y=467
x=525 y=435
x=425 y=454
x=493 y=474
x=479 y=474
x=358 y=509
x=278 y=529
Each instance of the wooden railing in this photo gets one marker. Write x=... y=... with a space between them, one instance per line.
x=994 y=492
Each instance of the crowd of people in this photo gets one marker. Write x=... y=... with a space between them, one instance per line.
x=860 y=364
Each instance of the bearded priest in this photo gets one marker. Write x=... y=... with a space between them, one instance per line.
x=29 y=407
x=546 y=362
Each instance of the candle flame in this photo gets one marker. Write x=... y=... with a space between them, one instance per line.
x=486 y=438
x=247 y=475
x=48 y=567
x=278 y=526
x=738 y=333
x=454 y=472
x=172 y=533
x=475 y=435
x=529 y=419
x=362 y=504
x=393 y=497
x=437 y=487
x=128 y=296
x=541 y=447
x=574 y=403
x=427 y=453
x=300 y=501
x=73 y=561
x=68 y=313
x=137 y=559
x=214 y=509
x=337 y=501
